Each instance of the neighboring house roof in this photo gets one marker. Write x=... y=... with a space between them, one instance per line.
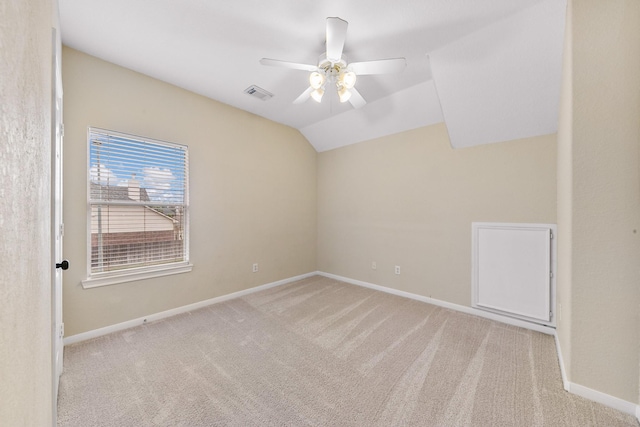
x=112 y=193
x=136 y=220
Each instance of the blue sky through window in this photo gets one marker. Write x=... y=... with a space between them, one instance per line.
x=121 y=161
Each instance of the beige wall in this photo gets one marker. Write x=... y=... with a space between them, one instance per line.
x=565 y=185
x=605 y=196
x=253 y=192
x=409 y=199
x=25 y=213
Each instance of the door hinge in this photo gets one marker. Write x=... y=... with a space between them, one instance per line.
x=550 y=314
x=551 y=274
x=62 y=229
x=61 y=330
x=61 y=130
x=551 y=233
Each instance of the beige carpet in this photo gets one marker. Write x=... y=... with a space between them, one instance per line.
x=323 y=353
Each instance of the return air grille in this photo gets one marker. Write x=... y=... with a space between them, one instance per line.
x=258 y=92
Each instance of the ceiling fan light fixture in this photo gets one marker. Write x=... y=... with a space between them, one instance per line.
x=333 y=67
x=317 y=94
x=316 y=80
x=344 y=94
x=348 y=79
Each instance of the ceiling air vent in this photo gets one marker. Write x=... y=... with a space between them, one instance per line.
x=258 y=92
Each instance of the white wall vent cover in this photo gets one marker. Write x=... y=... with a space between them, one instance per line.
x=514 y=269
x=258 y=92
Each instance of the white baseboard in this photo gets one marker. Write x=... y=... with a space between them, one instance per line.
x=178 y=310
x=468 y=310
x=603 y=398
x=594 y=395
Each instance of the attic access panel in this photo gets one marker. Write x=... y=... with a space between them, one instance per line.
x=513 y=270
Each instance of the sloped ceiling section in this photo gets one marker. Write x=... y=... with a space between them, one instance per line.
x=407 y=109
x=495 y=63
x=502 y=82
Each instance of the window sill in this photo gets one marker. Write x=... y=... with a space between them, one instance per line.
x=130 y=276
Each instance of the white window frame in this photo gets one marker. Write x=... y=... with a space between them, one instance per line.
x=135 y=273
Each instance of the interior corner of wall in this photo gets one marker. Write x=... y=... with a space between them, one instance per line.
x=561 y=361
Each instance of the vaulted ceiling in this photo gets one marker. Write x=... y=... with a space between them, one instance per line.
x=490 y=69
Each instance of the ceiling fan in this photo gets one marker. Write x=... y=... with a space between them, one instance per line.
x=333 y=68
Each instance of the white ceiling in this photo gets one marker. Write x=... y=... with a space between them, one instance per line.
x=496 y=63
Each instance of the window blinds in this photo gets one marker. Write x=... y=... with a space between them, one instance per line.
x=138 y=202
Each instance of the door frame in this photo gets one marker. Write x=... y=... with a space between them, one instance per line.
x=57 y=225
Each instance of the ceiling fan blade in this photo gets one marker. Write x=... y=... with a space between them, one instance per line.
x=382 y=66
x=336 y=35
x=356 y=99
x=303 y=96
x=286 y=64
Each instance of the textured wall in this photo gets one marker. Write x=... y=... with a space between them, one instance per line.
x=25 y=188
x=565 y=183
x=252 y=194
x=409 y=199
x=606 y=196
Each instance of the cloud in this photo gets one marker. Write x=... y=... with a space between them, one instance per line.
x=158 y=184
x=100 y=174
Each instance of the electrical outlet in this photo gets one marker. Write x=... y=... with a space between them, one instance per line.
x=255 y=267
x=374 y=265
x=397 y=269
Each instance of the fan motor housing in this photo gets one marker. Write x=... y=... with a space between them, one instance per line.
x=331 y=68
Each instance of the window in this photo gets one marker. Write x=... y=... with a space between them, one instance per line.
x=138 y=211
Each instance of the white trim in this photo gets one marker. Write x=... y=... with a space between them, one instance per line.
x=553 y=262
x=563 y=372
x=178 y=310
x=591 y=394
x=133 y=274
x=603 y=398
x=468 y=310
